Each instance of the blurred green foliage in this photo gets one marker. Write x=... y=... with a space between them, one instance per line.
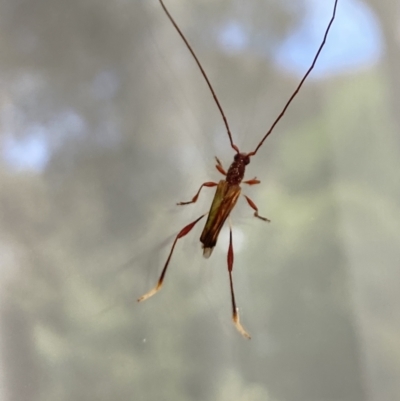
x=81 y=240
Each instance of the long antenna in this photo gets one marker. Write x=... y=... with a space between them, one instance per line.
x=301 y=82
x=203 y=73
x=215 y=96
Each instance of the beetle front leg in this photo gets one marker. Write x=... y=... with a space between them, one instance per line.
x=219 y=166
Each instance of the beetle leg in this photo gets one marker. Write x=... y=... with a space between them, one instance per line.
x=235 y=312
x=194 y=199
x=255 y=208
x=185 y=230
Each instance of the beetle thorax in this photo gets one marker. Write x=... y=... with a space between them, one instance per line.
x=236 y=170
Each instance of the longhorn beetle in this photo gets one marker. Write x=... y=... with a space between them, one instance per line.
x=228 y=190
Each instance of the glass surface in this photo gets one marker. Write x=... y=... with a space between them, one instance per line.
x=106 y=123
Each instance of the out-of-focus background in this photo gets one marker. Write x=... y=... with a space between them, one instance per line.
x=106 y=123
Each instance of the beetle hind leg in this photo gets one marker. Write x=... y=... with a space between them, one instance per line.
x=235 y=312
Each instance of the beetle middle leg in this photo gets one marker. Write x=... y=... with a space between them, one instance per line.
x=255 y=208
x=194 y=199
